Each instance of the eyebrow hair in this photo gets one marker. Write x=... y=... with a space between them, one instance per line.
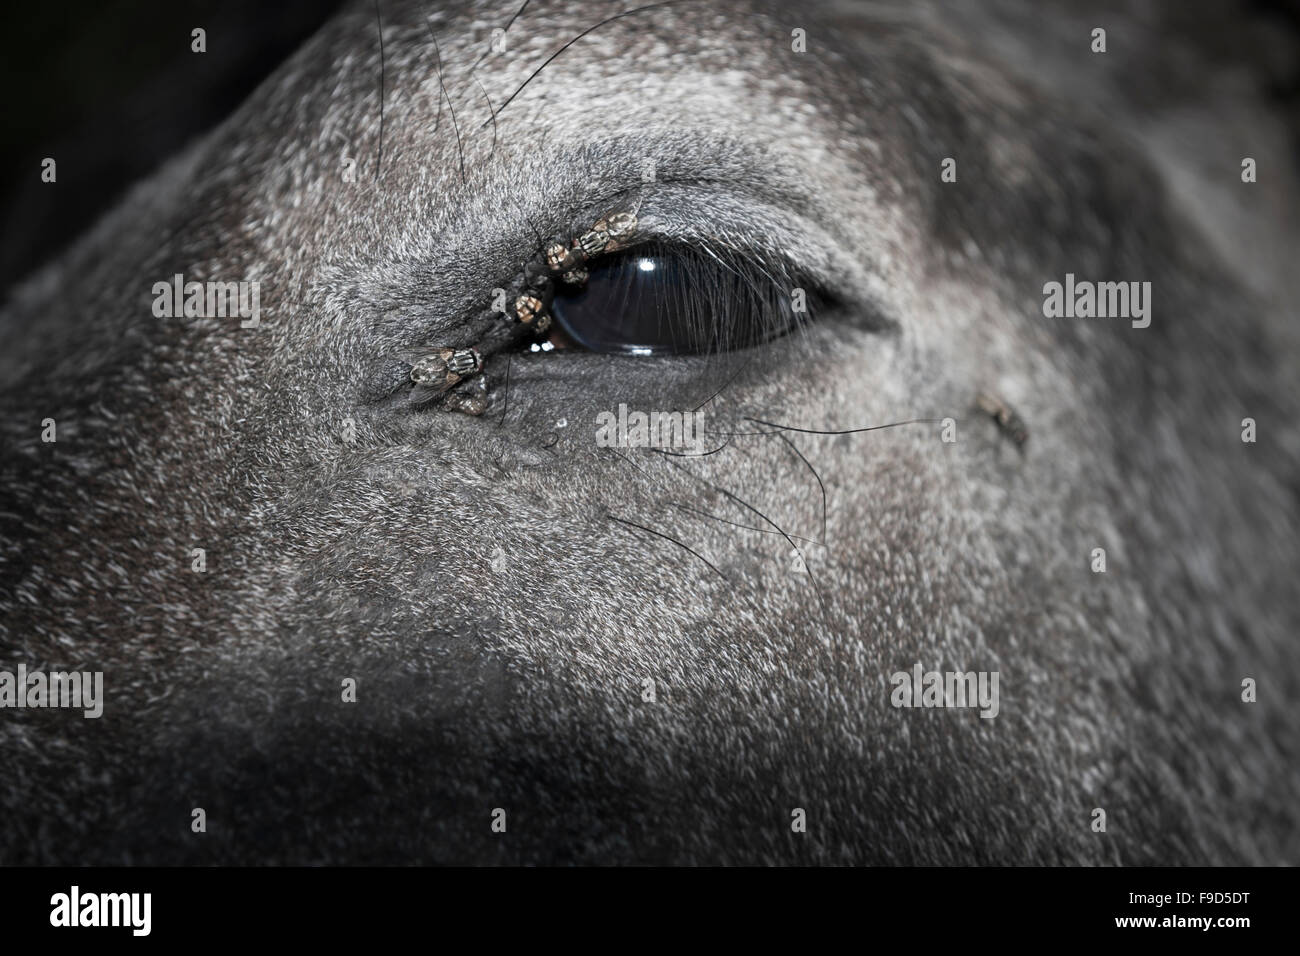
x=442 y=86
x=550 y=59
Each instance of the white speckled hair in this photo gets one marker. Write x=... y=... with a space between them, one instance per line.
x=467 y=573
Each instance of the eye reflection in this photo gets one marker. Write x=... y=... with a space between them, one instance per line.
x=672 y=300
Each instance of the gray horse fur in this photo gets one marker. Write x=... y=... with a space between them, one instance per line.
x=470 y=574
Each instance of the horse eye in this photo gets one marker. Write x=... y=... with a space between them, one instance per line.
x=665 y=300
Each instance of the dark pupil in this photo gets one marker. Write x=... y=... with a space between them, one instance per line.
x=649 y=303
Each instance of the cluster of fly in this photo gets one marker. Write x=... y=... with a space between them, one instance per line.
x=434 y=371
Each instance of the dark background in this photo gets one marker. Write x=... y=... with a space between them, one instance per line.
x=110 y=89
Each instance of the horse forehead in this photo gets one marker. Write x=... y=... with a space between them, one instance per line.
x=526 y=55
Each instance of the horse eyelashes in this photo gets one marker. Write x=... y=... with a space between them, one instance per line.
x=661 y=299
x=611 y=289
